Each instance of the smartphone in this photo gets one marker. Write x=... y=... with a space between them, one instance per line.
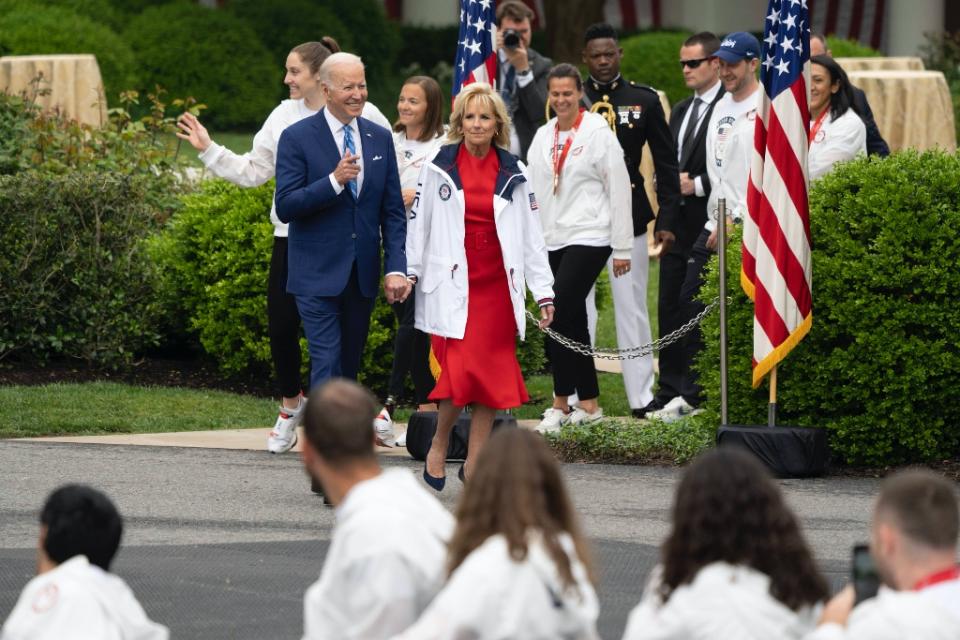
x=866 y=580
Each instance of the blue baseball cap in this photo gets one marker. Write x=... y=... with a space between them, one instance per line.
x=738 y=46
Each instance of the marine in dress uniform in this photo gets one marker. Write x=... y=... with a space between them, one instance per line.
x=635 y=114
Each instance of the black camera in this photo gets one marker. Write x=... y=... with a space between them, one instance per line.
x=511 y=39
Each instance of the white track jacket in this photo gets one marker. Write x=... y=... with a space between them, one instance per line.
x=435 y=244
x=593 y=204
x=491 y=596
x=79 y=601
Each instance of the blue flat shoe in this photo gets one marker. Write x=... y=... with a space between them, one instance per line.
x=436 y=484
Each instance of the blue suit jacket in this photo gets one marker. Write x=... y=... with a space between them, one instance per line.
x=329 y=231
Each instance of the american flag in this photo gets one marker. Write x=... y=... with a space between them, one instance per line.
x=476 y=54
x=776 y=271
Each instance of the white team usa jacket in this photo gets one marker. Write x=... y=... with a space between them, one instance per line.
x=435 y=243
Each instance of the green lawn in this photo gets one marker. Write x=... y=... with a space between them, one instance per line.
x=108 y=407
x=238 y=142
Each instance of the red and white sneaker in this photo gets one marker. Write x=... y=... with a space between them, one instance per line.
x=284 y=434
x=383 y=427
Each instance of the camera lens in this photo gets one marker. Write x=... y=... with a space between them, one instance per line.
x=511 y=39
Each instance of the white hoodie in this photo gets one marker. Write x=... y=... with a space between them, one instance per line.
x=79 y=601
x=593 y=204
x=258 y=165
x=491 y=596
x=724 y=602
x=930 y=614
x=386 y=561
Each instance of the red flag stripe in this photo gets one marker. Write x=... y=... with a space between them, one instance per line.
x=787 y=264
x=767 y=317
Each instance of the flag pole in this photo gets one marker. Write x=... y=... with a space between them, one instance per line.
x=772 y=407
x=722 y=258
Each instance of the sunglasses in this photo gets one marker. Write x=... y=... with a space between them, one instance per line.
x=693 y=64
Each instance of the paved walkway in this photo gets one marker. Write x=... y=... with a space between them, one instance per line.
x=221 y=542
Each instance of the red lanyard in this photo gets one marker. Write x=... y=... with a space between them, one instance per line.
x=558 y=162
x=946 y=575
x=818 y=123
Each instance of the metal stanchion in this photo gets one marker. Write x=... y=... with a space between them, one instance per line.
x=722 y=255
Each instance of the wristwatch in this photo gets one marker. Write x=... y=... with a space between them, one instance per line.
x=525 y=72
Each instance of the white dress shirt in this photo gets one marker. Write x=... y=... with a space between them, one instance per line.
x=706 y=99
x=386 y=561
x=336 y=128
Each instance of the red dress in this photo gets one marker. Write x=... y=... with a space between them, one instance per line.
x=482 y=367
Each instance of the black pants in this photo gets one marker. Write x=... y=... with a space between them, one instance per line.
x=575 y=270
x=411 y=353
x=681 y=278
x=283 y=324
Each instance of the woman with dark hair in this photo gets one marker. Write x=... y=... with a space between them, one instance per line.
x=578 y=173
x=417 y=134
x=519 y=565
x=735 y=564
x=837 y=133
x=252 y=169
x=474 y=247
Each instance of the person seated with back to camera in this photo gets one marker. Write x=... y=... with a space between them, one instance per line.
x=518 y=564
x=914 y=549
x=74 y=594
x=387 y=550
x=735 y=564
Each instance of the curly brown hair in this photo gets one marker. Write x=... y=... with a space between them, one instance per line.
x=516 y=487
x=728 y=509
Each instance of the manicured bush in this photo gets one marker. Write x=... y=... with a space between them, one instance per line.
x=77 y=282
x=37 y=29
x=210 y=55
x=651 y=59
x=100 y=11
x=214 y=256
x=292 y=22
x=881 y=363
x=626 y=441
x=841 y=48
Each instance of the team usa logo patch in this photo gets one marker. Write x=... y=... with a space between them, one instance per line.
x=533 y=202
x=445 y=192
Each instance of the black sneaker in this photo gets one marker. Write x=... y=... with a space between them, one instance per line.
x=654 y=405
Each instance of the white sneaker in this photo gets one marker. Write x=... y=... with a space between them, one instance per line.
x=284 y=434
x=553 y=419
x=383 y=426
x=674 y=410
x=401 y=440
x=579 y=416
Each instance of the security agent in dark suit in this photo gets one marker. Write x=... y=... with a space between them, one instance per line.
x=636 y=116
x=688 y=125
x=522 y=76
x=876 y=145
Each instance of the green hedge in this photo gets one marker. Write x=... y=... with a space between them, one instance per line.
x=214 y=256
x=27 y=28
x=651 y=58
x=881 y=363
x=77 y=279
x=841 y=48
x=292 y=22
x=208 y=54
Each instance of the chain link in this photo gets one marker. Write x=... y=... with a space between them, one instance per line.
x=630 y=352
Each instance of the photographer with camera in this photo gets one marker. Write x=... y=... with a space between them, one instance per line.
x=914 y=549
x=522 y=75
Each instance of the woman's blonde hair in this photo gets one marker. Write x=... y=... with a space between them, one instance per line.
x=489 y=99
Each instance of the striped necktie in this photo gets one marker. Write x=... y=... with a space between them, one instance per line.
x=349 y=146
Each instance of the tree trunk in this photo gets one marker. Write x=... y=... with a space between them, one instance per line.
x=567 y=20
